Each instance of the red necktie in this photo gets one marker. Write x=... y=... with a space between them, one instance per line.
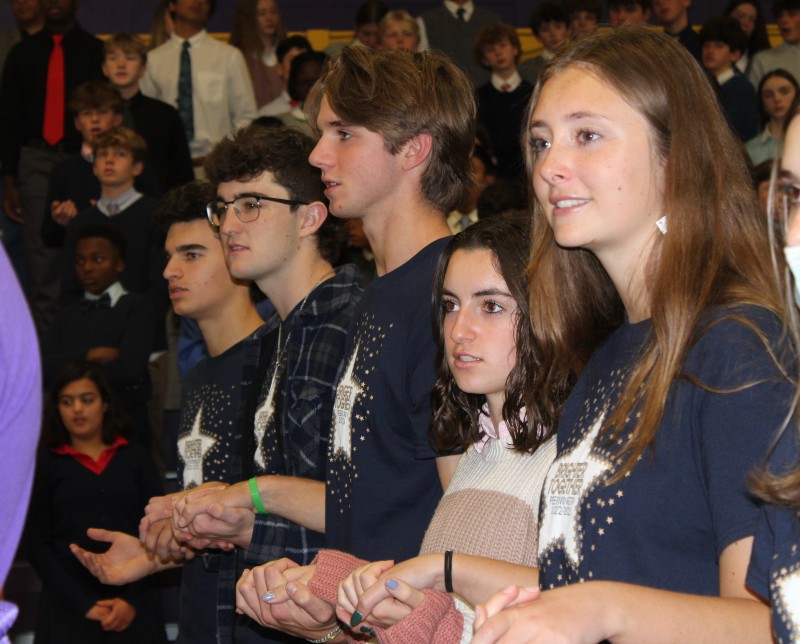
x=506 y=87
x=53 y=128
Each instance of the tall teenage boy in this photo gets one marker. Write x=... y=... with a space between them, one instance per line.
x=396 y=134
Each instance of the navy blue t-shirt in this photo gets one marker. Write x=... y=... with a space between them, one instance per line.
x=666 y=522
x=209 y=449
x=382 y=481
x=774 y=571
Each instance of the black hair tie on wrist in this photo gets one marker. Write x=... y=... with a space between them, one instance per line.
x=448 y=571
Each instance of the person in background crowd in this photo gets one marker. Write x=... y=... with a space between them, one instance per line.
x=257 y=29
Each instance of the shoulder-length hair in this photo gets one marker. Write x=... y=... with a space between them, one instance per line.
x=244 y=31
x=115 y=422
x=455 y=412
x=759 y=39
x=716 y=252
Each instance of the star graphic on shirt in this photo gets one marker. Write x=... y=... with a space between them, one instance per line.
x=787 y=598
x=568 y=480
x=346 y=391
x=263 y=415
x=193 y=448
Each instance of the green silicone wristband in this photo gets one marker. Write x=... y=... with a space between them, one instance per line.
x=256 y=496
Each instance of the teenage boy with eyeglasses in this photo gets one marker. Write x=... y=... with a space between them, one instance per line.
x=275 y=231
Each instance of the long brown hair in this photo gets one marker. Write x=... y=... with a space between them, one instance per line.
x=716 y=253
x=783 y=487
x=244 y=31
x=455 y=413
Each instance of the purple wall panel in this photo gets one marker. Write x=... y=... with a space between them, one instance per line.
x=106 y=16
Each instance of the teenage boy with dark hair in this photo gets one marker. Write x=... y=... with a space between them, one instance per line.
x=629 y=12
x=467 y=212
x=550 y=24
x=36 y=131
x=209 y=435
x=124 y=64
x=74 y=186
x=397 y=130
x=673 y=15
x=723 y=43
x=275 y=230
x=109 y=326
x=286 y=51
x=584 y=16
x=287 y=248
x=503 y=100
x=306 y=68
x=787 y=54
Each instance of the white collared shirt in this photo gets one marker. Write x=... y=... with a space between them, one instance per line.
x=223 y=98
x=112 y=207
x=725 y=76
x=115 y=291
x=513 y=81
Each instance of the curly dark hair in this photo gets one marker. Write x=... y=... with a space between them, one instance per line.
x=455 y=412
x=283 y=152
x=115 y=421
x=184 y=203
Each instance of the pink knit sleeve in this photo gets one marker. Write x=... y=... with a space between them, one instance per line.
x=332 y=568
x=435 y=620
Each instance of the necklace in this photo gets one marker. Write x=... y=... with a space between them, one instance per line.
x=267 y=409
x=282 y=349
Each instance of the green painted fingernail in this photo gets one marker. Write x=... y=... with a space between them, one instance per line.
x=368 y=631
x=356 y=619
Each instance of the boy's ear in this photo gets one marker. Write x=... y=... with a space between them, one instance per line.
x=119 y=265
x=137 y=168
x=417 y=151
x=117 y=120
x=736 y=54
x=312 y=219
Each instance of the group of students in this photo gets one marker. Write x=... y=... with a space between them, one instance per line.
x=596 y=439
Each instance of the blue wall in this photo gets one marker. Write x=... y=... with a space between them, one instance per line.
x=107 y=16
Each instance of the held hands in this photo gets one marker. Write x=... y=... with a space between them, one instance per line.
x=156 y=528
x=277 y=595
x=398 y=597
x=221 y=514
x=572 y=614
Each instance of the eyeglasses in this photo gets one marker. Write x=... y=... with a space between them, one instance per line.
x=246 y=208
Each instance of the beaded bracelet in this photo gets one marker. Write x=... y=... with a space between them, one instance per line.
x=256 y=496
x=327 y=638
